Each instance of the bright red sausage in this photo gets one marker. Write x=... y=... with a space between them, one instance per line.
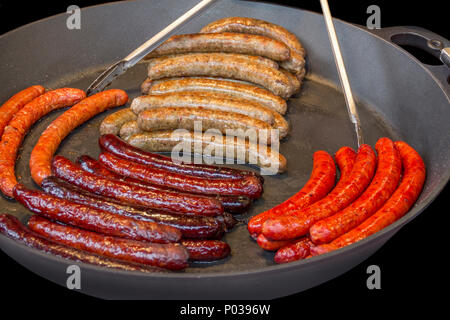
x=21 y=122
x=397 y=206
x=17 y=102
x=170 y=256
x=41 y=156
x=322 y=180
x=298 y=250
x=249 y=186
x=297 y=223
x=384 y=183
x=133 y=194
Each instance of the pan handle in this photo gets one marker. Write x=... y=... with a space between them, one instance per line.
x=426 y=40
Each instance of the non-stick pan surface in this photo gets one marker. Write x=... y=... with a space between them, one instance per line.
x=398 y=98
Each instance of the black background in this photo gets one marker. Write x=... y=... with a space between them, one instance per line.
x=412 y=265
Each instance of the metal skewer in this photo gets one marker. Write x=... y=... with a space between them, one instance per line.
x=134 y=57
x=349 y=100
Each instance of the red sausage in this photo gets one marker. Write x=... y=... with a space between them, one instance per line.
x=11 y=227
x=113 y=144
x=42 y=154
x=297 y=223
x=192 y=227
x=396 y=207
x=206 y=250
x=93 y=219
x=320 y=183
x=132 y=194
x=295 y=251
x=170 y=256
x=22 y=122
x=249 y=186
x=17 y=102
x=345 y=158
x=232 y=204
x=384 y=183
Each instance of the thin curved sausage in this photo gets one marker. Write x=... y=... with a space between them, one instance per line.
x=50 y=139
x=297 y=223
x=384 y=183
x=133 y=194
x=223 y=42
x=397 y=206
x=21 y=123
x=249 y=186
x=89 y=218
x=171 y=256
x=12 y=228
x=322 y=180
x=17 y=102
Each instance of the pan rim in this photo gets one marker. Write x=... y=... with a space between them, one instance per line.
x=415 y=211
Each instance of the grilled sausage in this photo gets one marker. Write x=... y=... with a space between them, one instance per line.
x=223 y=42
x=207 y=100
x=271 y=245
x=22 y=122
x=89 y=218
x=223 y=65
x=231 y=204
x=322 y=180
x=264 y=28
x=235 y=89
x=118 y=147
x=267 y=159
x=191 y=227
x=384 y=183
x=133 y=194
x=396 y=207
x=297 y=223
x=129 y=129
x=170 y=256
x=12 y=228
x=249 y=186
x=17 y=102
x=113 y=122
x=299 y=249
x=206 y=250
x=45 y=148
x=170 y=118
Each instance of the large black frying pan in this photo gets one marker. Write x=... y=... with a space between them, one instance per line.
x=398 y=97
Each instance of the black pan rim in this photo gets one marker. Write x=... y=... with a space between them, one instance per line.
x=415 y=211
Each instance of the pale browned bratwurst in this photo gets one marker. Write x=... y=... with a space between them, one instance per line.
x=225 y=65
x=207 y=100
x=224 y=42
x=236 y=89
x=129 y=128
x=170 y=118
x=113 y=122
x=260 y=27
x=237 y=148
x=256 y=59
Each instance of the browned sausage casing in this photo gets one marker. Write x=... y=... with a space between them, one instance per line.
x=225 y=65
x=170 y=256
x=224 y=42
x=113 y=122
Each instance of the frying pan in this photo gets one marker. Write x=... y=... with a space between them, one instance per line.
x=398 y=97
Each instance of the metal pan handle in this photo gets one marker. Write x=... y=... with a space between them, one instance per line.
x=426 y=40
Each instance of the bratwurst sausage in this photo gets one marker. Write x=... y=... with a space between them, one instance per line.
x=229 y=42
x=21 y=122
x=235 y=89
x=45 y=148
x=113 y=122
x=223 y=65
